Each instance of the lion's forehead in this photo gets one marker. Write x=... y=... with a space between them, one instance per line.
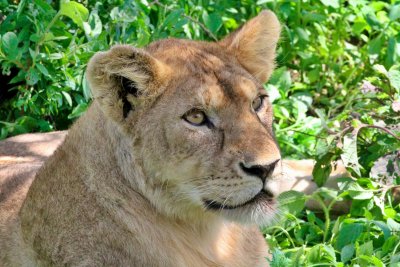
x=207 y=71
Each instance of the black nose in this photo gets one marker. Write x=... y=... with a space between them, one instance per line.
x=261 y=171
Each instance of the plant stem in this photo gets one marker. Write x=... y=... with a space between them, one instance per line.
x=326 y=215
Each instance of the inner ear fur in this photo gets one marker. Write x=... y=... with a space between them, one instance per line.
x=254 y=44
x=122 y=77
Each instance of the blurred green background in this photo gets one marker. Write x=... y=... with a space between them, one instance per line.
x=336 y=95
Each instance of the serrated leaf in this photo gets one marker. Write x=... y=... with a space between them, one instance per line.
x=75 y=11
x=279 y=259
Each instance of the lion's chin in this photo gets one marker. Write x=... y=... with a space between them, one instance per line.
x=260 y=210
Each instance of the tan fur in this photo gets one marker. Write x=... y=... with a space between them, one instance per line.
x=129 y=185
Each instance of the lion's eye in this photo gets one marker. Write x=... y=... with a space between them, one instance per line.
x=195 y=117
x=258 y=102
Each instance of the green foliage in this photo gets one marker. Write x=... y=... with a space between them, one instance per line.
x=368 y=235
x=336 y=95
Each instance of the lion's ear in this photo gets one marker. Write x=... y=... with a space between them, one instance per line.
x=254 y=44
x=123 y=76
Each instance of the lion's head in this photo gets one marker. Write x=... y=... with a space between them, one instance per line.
x=196 y=120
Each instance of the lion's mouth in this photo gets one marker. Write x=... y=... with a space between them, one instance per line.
x=261 y=196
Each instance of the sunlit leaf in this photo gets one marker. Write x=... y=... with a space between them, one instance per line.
x=75 y=11
x=9 y=44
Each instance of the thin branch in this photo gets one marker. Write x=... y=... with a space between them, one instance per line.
x=380 y=128
x=205 y=29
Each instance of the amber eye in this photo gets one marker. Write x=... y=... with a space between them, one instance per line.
x=195 y=117
x=258 y=102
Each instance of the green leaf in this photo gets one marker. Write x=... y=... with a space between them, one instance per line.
x=332 y=3
x=9 y=44
x=366 y=249
x=27 y=123
x=55 y=56
x=78 y=111
x=349 y=155
x=372 y=259
x=391 y=55
x=42 y=69
x=212 y=21
x=348 y=234
x=394 y=78
x=375 y=46
x=273 y=92
x=75 y=11
x=395 y=260
x=172 y=18
x=357 y=192
x=314 y=255
x=390 y=244
x=347 y=253
x=32 y=76
x=359 y=26
x=385 y=229
x=93 y=28
x=381 y=69
x=279 y=259
x=394 y=12
x=322 y=169
x=391 y=213
x=303 y=34
x=393 y=225
x=86 y=90
x=21 y=7
x=373 y=20
x=67 y=97
x=292 y=202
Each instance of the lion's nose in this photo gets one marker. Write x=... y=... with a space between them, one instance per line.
x=260 y=171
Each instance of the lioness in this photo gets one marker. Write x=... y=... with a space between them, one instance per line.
x=172 y=165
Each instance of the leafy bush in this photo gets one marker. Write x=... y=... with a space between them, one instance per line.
x=336 y=94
